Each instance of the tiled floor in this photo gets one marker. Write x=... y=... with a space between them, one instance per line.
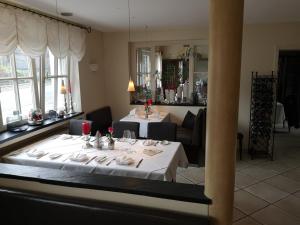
x=266 y=192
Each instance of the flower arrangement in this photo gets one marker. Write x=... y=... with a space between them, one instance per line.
x=109 y=134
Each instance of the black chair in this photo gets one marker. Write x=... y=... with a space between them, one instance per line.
x=162 y=131
x=102 y=119
x=120 y=126
x=193 y=137
x=75 y=127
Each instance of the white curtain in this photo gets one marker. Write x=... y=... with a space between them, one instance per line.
x=58 y=38
x=34 y=33
x=75 y=83
x=8 y=32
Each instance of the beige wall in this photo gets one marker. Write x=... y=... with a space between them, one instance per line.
x=116 y=67
x=260 y=44
x=92 y=83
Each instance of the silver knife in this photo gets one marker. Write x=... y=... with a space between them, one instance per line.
x=90 y=160
x=139 y=163
x=110 y=161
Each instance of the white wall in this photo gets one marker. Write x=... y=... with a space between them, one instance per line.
x=260 y=44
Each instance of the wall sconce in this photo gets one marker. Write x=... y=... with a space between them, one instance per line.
x=94 y=67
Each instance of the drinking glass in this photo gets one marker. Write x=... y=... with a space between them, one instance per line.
x=132 y=134
x=126 y=135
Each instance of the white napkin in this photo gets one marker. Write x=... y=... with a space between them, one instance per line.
x=148 y=142
x=124 y=160
x=79 y=157
x=36 y=153
x=65 y=136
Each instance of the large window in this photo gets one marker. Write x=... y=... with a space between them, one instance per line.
x=27 y=83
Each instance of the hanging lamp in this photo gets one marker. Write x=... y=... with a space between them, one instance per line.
x=131 y=87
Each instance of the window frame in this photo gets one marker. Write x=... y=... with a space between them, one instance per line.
x=38 y=94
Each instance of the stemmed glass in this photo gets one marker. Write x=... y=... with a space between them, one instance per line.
x=86 y=133
x=126 y=135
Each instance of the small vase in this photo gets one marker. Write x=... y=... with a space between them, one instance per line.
x=111 y=145
x=146 y=115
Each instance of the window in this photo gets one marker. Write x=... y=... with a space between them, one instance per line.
x=25 y=84
x=56 y=73
x=143 y=66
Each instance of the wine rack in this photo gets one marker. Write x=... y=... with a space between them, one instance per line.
x=262 y=114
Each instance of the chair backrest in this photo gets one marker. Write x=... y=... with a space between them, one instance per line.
x=120 y=126
x=162 y=131
x=75 y=127
x=101 y=118
x=199 y=131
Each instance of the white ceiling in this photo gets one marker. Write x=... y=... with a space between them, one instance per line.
x=112 y=15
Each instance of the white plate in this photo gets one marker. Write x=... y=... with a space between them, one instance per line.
x=79 y=157
x=165 y=142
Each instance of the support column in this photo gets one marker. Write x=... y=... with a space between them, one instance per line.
x=225 y=44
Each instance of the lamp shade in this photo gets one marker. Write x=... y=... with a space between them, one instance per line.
x=63 y=89
x=131 y=86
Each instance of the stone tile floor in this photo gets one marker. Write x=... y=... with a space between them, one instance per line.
x=266 y=192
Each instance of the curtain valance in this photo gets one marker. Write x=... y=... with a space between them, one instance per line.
x=34 y=33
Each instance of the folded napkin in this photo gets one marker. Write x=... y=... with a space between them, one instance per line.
x=79 y=158
x=148 y=142
x=36 y=153
x=101 y=159
x=124 y=160
x=65 y=136
x=152 y=152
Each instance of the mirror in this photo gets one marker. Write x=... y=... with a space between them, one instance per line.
x=170 y=72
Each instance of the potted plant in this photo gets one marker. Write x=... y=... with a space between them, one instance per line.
x=111 y=142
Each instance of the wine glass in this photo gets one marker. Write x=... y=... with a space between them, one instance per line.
x=126 y=135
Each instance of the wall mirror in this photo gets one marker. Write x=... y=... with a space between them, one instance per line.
x=170 y=72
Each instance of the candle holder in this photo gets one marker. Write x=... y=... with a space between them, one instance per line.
x=71 y=110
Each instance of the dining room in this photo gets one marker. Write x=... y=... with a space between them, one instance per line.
x=122 y=111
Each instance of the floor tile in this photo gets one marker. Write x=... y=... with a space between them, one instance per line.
x=276 y=166
x=247 y=202
x=291 y=205
x=238 y=214
x=258 y=172
x=247 y=221
x=293 y=174
x=273 y=215
x=267 y=192
x=181 y=179
x=284 y=183
x=242 y=164
x=195 y=174
x=243 y=180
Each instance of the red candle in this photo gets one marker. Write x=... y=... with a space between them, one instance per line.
x=86 y=128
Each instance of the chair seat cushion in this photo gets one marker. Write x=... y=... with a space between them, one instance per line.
x=184 y=135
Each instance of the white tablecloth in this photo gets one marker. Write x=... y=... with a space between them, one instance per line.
x=163 y=117
x=162 y=166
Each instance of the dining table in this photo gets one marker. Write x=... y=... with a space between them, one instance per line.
x=143 y=120
x=147 y=159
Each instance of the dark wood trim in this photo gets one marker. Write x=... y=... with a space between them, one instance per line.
x=151 y=188
x=23 y=207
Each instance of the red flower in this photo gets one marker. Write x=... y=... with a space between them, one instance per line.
x=149 y=101
x=110 y=130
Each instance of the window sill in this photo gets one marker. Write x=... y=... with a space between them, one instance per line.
x=8 y=137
